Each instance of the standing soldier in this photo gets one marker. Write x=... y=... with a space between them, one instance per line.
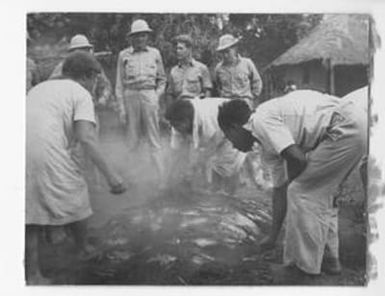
x=140 y=81
x=102 y=92
x=189 y=78
x=236 y=77
x=101 y=95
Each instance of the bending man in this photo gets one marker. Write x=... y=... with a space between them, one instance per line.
x=311 y=142
x=196 y=129
x=60 y=114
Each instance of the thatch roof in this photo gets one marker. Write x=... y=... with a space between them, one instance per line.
x=342 y=38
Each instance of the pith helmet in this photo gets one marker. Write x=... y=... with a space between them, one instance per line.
x=226 y=41
x=79 y=41
x=139 y=26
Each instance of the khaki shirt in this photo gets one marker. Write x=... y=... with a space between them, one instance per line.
x=140 y=70
x=241 y=80
x=189 y=81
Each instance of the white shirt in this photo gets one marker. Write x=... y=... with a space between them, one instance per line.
x=205 y=124
x=207 y=136
x=360 y=97
x=300 y=117
x=56 y=191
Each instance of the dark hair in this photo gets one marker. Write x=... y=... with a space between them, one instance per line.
x=234 y=112
x=185 y=39
x=180 y=110
x=80 y=64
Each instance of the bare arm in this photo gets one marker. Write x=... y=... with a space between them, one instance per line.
x=206 y=83
x=160 y=76
x=217 y=82
x=207 y=93
x=255 y=81
x=296 y=164
x=279 y=214
x=119 y=87
x=86 y=134
x=180 y=162
x=209 y=150
x=170 y=87
x=295 y=159
x=250 y=171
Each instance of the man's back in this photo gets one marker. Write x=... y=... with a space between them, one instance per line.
x=205 y=123
x=300 y=117
x=51 y=109
x=360 y=97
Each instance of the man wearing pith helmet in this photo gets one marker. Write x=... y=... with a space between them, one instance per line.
x=140 y=81
x=102 y=92
x=236 y=77
x=78 y=42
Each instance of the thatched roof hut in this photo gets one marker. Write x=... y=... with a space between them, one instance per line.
x=342 y=39
x=333 y=58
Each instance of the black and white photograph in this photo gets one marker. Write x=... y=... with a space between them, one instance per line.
x=236 y=146
x=200 y=149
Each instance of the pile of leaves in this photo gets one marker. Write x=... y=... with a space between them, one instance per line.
x=183 y=239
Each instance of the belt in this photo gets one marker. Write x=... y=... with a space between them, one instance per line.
x=132 y=87
x=186 y=97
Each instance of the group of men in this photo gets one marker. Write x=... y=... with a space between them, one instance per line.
x=141 y=82
x=310 y=141
x=56 y=191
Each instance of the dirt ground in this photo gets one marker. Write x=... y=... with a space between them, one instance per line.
x=185 y=236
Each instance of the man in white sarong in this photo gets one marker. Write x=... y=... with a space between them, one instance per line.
x=59 y=115
x=311 y=142
x=195 y=127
